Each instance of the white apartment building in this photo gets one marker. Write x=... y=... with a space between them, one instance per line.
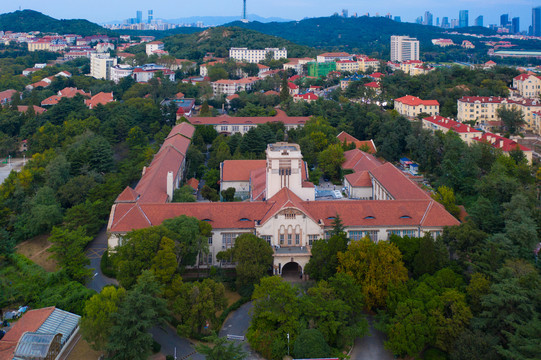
x=100 y=65
x=153 y=46
x=230 y=87
x=404 y=48
x=120 y=71
x=256 y=55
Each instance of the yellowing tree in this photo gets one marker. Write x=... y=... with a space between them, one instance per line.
x=374 y=266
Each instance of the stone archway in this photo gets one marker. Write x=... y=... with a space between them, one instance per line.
x=291 y=271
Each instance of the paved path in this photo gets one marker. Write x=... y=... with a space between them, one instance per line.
x=371 y=347
x=94 y=252
x=167 y=336
x=5 y=169
x=237 y=323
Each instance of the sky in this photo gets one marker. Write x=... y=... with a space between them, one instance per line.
x=107 y=10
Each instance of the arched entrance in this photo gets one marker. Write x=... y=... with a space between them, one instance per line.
x=292 y=271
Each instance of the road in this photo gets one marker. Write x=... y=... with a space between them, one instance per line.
x=5 y=169
x=371 y=347
x=237 y=324
x=167 y=336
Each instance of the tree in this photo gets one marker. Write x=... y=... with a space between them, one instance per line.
x=137 y=314
x=228 y=194
x=209 y=193
x=311 y=344
x=253 y=256
x=97 y=321
x=68 y=249
x=7 y=244
x=374 y=266
x=324 y=261
x=432 y=256
x=184 y=194
x=512 y=119
x=446 y=197
x=222 y=349
x=164 y=264
x=284 y=88
x=331 y=160
x=276 y=313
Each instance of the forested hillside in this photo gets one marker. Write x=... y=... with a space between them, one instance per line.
x=30 y=20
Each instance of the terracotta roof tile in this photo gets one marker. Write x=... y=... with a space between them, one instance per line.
x=359 y=179
x=239 y=170
x=193 y=183
x=358 y=143
x=127 y=195
x=415 y=101
x=100 y=98
x=397 y=184
x=249 y=120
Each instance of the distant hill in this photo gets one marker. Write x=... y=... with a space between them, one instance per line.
x=220 y=20
x=30 y=20
x=220 y=39
x=363 y=34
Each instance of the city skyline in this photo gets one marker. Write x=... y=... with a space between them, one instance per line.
x=297 y=10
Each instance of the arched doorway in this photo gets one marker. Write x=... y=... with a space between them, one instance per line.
x=292 y=271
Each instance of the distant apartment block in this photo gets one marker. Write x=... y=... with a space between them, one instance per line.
x=256 y=55
x=527 y=85
x=443 y=124
x=404 y=48
x=297 y=64
x=333 y=56
x=100 y=65
x=153 y=46
x=146 y=72
x=411 y=106
x=120 y=71
x=230 y=87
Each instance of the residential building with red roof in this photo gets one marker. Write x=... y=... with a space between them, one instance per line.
x=367 y=64
x=308 y=97
x=347 y=65
x=236 y=174
x=100 y=98
x=37 y=109
x=146 y=72
x=333 y=56
x=411 y=106
x=297 y=64
x=283 y=208
x=436 y=122
x=229 y=87
x=68 y=92
x=6 y=95
x=293 y=88
x=484 y=109
x=504 y=144
x=153 y=46
x=528 y=85
x=226 y=124
x=365 y=145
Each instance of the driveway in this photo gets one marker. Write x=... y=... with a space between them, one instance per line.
x=167 y=336
x=237 y=323
x=94 y=251
x=371 y=347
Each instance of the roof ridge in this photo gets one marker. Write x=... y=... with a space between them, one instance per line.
x=426 y=212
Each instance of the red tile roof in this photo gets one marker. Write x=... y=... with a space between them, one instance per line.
x=359 y=160
x=7 y=95
x=271 y=92
x=306 y=97
x=184 y=129
x=358 y=143
x=397 y=184
x=373 y=84
x=193 y=182
x=450 y=124
x=335 y=54
x=239 y=170
x=249 y=120
x=100 y=98
x=415 y=101
x=294 y=77
x=127 y=195
x=258 y=183
x=37 y=109
x=359 y=179
x=292 y=85
x=501 y=142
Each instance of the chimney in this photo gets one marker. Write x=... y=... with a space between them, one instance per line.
x=170 y=185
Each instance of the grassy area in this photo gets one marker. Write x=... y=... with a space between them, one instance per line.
x=35 y=249
x=83 y=351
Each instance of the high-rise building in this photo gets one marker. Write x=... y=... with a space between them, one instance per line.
x=504 y=20
x=397 y=19
x=150 y=16
x=139 y=16
x=463 y=20
x=429 y=18
x=536 y=21
x=344 y=13
x=445 y=22
x=479 y=21
x=419 y=20
x=404 y=48
x=437 y=21
x=515 y=25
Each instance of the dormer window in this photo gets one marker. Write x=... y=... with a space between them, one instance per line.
x=244 y=219
x=405 y=217
x=369 y=217
x=208 y=220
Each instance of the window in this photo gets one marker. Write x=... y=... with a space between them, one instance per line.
x=210 y=240
x=223 y=128
x=356 y=235
x=312 y=238
x=289 y=216
x=228 y=239
x=410 y=233
x=289 y=236
x=281 y=239
x=235 y=128
x=246 y=128
x=267 y=238
x=297 y=239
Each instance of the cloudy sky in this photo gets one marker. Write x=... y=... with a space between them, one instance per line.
x=107 y=10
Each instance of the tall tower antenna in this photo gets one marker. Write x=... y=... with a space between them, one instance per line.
x=244 y=18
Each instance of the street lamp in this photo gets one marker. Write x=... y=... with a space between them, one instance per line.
x=287 y=344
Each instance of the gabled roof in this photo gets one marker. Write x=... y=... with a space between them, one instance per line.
x=450 y=124
x=359 y=179
x=501 y=142
x=127 y=195
x=359 y=160
x=284 y=199
x=100 y=98
x=7 y=94
x=37 y=109
x=239 y=170
x=398 y=185
x=193 y=183
x=373 y=84
x=292 y=85
x=415 y=101
x=185 y=129
x=358 y=143
x=307 y=97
